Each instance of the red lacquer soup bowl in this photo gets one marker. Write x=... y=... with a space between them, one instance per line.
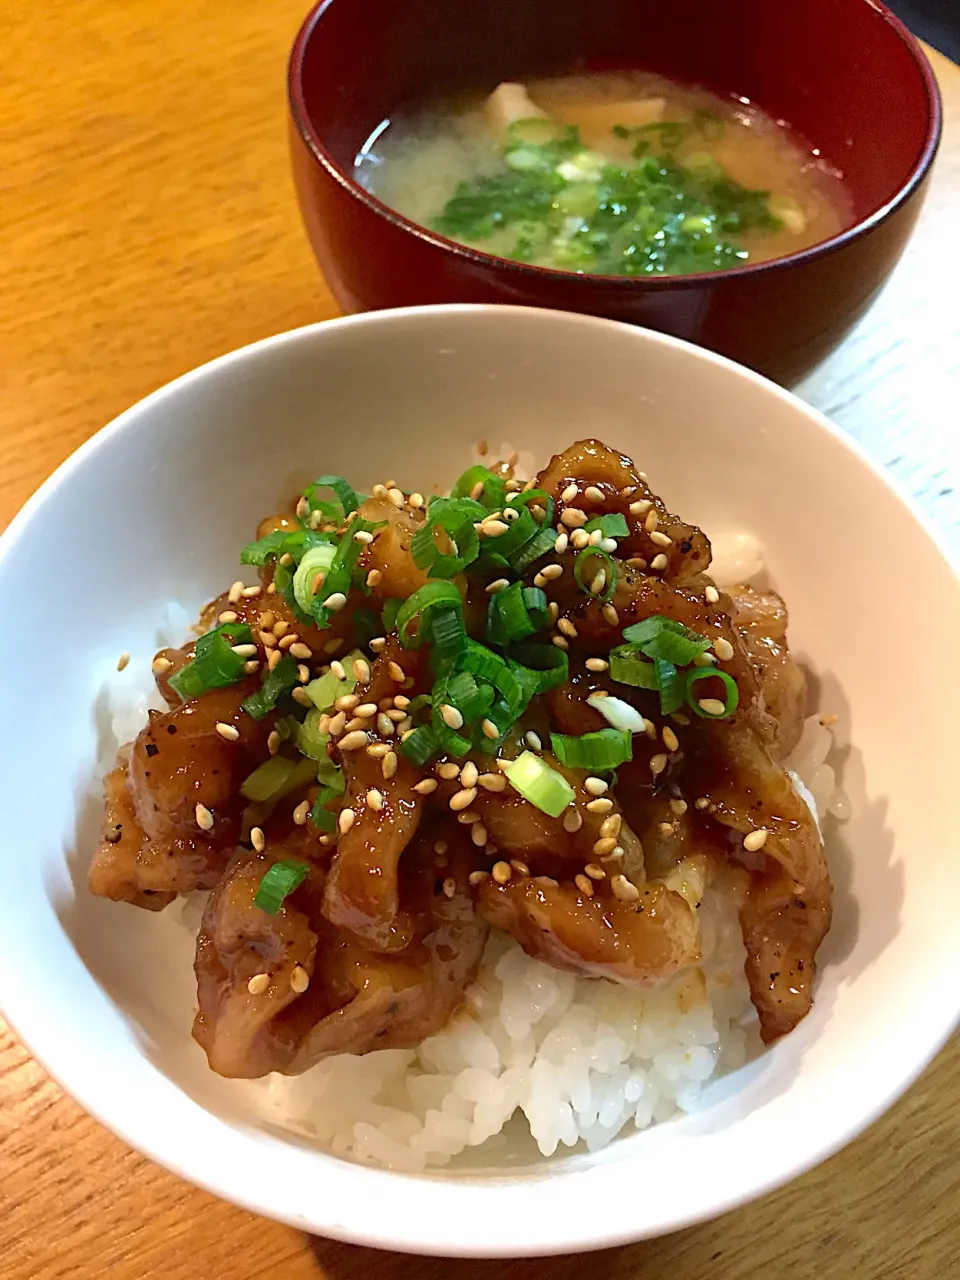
x=844 y=74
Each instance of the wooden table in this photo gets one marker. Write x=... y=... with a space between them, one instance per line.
x=147 y=223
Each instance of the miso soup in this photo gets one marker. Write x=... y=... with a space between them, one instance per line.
x=619 y=174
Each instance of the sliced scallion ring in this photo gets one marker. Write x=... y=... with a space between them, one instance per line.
x=278 y=883
x=732 y=693
x=599 y=751
x=544 y=787
x=433 y=595
x=611 y=525
x=493 y=492
x=316 y=560
x=275 y=685
x=214 y=664
x=585 y=567
x=662 y=637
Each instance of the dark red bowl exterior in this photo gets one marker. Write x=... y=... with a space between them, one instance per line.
x=845 y=74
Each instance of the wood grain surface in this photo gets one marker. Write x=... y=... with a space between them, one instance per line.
x=147 y=223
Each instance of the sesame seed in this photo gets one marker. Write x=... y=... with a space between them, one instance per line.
x=579 y=539
x=346 y=820
x=449 y=887
x=602 y=805
x=597 y=664
x=377 y=645
x=257 y=838
x=302 y=508
x=258 y=984
x=303 y=675
x=491 y=528
x=490 y=730
x=396 y=497
x=301 y=812
x=569 y=494
x=273 y=742
x=611 y=615
x=756 y=839
x=233 y=595
x=353 y=741
x=624 y=889
x=365 y=710
x=378 y=491
x=829 y=720
x=448 y=770
x=629 y=491
x=593 y=494
x=299 y=979
x=552 y=571
x=573 y=518
x=401 y=700
x=539 y=580
x=204 y=817
x=415 y=500
x=492 y=781
x=273 y=657
x=281 y=627
x=361 y=670
x=478 y=834
x=245 y=650
x=596 y=786
x=606 y=844
x=336 y=725
x=463 y=799
x=497 y=585
x=659 y=562
x=572 y=820
x=712 y=595
x=335 y=602
x=251 y=593
x=123 y=661
x=426 y=786
x=363 y=536
x=160 y=665
x=396 y=672
x=594 y=871
x=595 y=537
x=533 y=740
x=615 y=856
x=567 y=627
x=608 y=544
x=701 y=803
x=300 y=650
x=228 y=731
x=611 y=826
x=723 y=649
x=385 y=725
x=451 y=716
x=561 y=543
x=637 y=562
x=679 y=807
x=657 y=764
x=670 y=739
x=469 y=774
x=374 y=578
x=652 y=520
x=478 y=877
x=289 y=641
x=267 y=639
x=584 y=885
x=229 y=615
x=561 y=642
x=641 y=507
x=598 y=582
x=661 y=539
x=502 y=871
x=553 y=611
x=251 y=666
x=712 y=706
x=375 y=799
x=388 y=765
x=666 y=828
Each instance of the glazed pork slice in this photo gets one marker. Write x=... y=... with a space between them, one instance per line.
x=281 y=992
x=761 y=620
x=590 y=465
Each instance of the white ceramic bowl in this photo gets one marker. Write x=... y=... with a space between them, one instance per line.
x=157 y=505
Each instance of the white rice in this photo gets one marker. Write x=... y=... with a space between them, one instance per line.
x=533 y=1052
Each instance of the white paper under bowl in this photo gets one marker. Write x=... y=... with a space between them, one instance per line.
x=156 y=507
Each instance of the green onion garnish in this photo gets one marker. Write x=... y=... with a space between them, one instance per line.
x=616 y=712
x=670 y=684
x=494 y=487
x=489 y=666
x=320 y=815
x=365 y=627
x=214 y=664
x=515 y=612
x=278 y=777
x=391 y=610
x=545 y=663
x=326 y=689
x=339 y=577
x=454 y=518
x=292 y=542
x=585 y=566
x=310 y=741
x=544 y=787
x=448 y=636
x=730 y=702
x=660 y=637
x=421 y=745
x=628 y=667
x=349 y=500
x=536 y=498
x=612 y=525
x=275 y=684
x=599 y=751
x=280 y=881
x=416 y=609
x=540 y=545
x=316 y=560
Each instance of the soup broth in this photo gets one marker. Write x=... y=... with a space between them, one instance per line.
x=618 y=174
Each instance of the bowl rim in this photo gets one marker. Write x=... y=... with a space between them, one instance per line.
x=591 y=1232
x=530 y=274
